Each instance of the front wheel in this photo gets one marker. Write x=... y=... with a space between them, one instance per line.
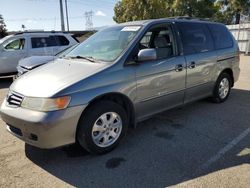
x=102 y=127
x=222 y=88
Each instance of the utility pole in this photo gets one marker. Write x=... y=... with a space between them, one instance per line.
x=67 y=16
x=62 y=16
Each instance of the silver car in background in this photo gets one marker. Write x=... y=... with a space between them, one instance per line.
x=120 y=76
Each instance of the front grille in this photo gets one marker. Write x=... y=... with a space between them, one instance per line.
x=14 y=99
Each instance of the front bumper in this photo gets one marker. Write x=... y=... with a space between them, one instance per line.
x=42 y=129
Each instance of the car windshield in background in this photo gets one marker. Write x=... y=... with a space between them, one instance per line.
x=64 y=52
x=107 y=44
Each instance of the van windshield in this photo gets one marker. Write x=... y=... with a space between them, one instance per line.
x=107 y=44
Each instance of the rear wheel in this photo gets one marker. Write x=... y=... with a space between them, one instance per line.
x=222 y=88
x=102 y=127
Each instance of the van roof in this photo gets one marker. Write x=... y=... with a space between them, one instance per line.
x=172 y=19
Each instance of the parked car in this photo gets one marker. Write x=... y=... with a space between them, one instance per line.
x=30 y=63
x=26 y=44
x=118 y=77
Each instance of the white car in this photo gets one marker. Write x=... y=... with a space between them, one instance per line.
x=26 y=44
x=29 y=63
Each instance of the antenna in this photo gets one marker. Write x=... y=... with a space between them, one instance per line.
x=89 y=20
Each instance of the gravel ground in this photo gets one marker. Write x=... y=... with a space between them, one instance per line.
x=199 y=145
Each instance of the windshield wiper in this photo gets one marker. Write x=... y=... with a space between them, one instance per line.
x=91 y=59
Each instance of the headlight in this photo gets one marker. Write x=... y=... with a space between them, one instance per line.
x=46 y=104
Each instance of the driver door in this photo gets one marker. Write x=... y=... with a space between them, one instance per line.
x=160 y=82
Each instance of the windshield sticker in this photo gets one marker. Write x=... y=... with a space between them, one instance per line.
x=131 y=28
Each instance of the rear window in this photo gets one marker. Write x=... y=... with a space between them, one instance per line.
x=41 y=42
x=221 y=35
x=195 y=37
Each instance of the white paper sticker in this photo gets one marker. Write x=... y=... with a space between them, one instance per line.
x=131 y=28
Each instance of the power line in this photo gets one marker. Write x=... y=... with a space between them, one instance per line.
x=94 y=3
x=41 y=19
x=91 y=4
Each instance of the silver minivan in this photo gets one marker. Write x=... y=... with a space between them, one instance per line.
x=121 y=75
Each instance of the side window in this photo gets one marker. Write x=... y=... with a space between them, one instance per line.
x=17 y=44
x=160 y=38
x=146 y=39
x=51 y=41
x=221 y=35
x=195 y=38
x=41 y=42
x=62 y=41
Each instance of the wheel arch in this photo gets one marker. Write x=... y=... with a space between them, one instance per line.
x=118 y=98
x=230 y=73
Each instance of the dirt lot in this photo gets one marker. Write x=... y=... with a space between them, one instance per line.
x=199 y=145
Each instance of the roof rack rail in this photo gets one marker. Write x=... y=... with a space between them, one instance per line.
x=190 y=18
x=23 y=32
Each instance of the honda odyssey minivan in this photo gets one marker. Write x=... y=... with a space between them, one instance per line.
x=121 y=75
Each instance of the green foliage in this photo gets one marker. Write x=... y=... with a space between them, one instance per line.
x=3 y=30
x=131 y=10
x=194 y=8
x=217 y=10
x=233 y=8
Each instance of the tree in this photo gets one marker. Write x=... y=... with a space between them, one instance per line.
x=239 y=7
x=131 y=10
x=194 y=8
x=3 y=30
x=234 y=8
x=218 y=10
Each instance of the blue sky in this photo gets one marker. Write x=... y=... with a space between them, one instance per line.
x=44 y=14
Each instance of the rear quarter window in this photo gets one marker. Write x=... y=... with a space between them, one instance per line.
x=62 y=41
x=221 y=35
x=195 y=37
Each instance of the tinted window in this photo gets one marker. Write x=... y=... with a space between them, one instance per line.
x=62 y=41
x=195 y=37
x=221 y=35
x=15 y=44
x=41 y=42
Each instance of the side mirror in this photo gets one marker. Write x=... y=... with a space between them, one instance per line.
x=147 y=55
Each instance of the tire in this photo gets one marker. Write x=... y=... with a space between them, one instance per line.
x=97 y=132
x=222 y=88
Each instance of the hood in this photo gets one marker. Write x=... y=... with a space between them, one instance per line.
x=49 y=79
x=35 y=61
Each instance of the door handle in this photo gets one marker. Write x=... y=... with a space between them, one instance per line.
x=179 y=68
x=192 y=65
